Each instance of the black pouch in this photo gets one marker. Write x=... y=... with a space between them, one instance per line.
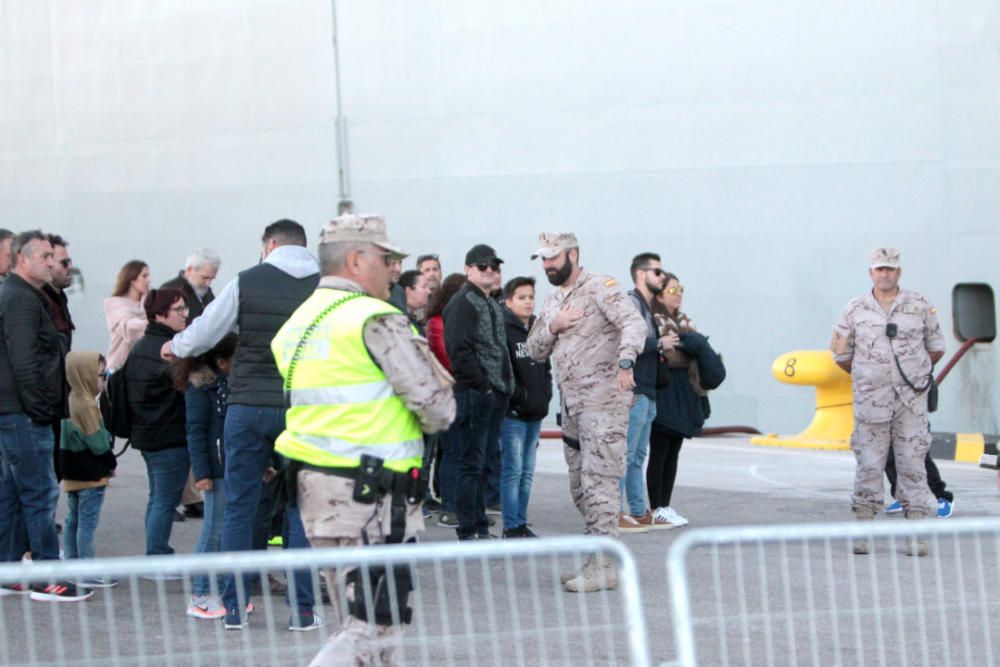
x=368 y=482
x=932 y=394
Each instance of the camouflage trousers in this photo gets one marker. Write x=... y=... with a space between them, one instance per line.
x=910 y=437
x=596 y=469
x=332 y=518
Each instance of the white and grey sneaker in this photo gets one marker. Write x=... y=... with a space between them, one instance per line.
x=670 y=514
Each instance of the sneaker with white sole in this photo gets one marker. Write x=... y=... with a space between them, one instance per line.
x=305 y=621
x=206 y=607
x=945 y=508
x=895 y=508
x=448 y=520
x=671 y=515
x=628 y=524
x=654 y=521
x=59 y=591
x=234 y=621
x=98 y=582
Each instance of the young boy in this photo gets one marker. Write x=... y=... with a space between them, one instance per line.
x=527 y=408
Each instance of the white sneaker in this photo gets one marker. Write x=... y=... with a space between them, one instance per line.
x=671 y=515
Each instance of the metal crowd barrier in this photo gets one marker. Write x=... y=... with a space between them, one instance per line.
x=483 y=603
x=798 y=595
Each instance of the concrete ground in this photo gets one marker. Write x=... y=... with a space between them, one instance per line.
x=770 y=615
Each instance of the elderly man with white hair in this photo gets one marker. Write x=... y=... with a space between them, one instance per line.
x=195 y=280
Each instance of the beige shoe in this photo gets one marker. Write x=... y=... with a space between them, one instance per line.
x=863 y=545
x=598 y=574
x=628 y=524
x=916 y=546
x=653 y=521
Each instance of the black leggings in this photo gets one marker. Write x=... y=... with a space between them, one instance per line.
x=664 y=449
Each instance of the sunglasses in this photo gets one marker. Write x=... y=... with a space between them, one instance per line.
x=483 y=266
x=659 y=273
x=675 y=290
x=387 y=257
x=66 y=263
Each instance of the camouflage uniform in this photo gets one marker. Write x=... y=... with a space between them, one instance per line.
x=330 y=515
x=594 y=410
x=886 y=410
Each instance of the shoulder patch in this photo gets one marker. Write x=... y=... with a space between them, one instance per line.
x=933 y=310
x=610 y=282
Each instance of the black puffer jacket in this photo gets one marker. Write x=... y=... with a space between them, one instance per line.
x=157 y=408
x=532 y=380
x=32 y=355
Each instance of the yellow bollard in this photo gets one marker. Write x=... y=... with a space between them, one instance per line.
x=834 y=419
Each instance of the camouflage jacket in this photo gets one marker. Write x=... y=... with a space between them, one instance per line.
x=860 y=337
x=587 y=355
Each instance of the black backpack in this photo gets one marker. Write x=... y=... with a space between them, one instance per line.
x=114 y=406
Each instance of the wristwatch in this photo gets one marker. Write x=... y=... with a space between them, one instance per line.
x=625 y=364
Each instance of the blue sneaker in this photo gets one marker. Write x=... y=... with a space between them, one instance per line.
x=944 y=508
x=894 y=508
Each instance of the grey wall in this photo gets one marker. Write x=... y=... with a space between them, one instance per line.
x=762 y=146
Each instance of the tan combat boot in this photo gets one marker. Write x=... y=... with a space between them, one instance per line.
x=863 y=545
x=598 y=574
x=916 y=546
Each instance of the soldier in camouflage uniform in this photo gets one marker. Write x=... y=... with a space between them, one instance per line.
x=354 y=256
x=889 y=339
x=594 y=334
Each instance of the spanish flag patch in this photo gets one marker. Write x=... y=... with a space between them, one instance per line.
x=610 y=282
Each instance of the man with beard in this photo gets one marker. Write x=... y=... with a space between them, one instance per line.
x=595 y=335
x=650 y=279
x=889 y=339
x=200 y=269
x=430 y=266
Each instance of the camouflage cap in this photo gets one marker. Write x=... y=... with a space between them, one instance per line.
x=354 y=228
x=554 y=243
x=884 y=257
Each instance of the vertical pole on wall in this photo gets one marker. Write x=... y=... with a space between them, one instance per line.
x=344 y=204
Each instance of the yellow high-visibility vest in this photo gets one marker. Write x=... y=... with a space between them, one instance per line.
x=340 y=404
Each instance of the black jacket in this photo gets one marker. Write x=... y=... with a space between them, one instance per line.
x=644 y=370
x=680 y=410
x=476 y=342
x=532 y=380
x=58 y=306
x=32 y=355
x=195 y=305
x=157 y=407
x=206 y=415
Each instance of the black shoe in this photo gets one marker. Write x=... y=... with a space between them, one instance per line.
x=464 y=538
x=195 y=511
x=516 y=531
x=433 y=504
x=60 y=591
x=179 y=516
x=526 y=532
x=486 y=536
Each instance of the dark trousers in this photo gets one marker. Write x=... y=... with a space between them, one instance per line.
x=479 y=416
x=664 y=450
x=934 y=480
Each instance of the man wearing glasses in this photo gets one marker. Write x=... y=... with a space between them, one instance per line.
x=594 y=334
x=476 y=341
x=58 y=307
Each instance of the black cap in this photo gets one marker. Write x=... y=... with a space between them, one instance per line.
x=481 y=254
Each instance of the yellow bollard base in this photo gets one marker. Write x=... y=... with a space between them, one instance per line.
x=799 y=442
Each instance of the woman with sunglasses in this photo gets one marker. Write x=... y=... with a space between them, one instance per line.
x=681 y=401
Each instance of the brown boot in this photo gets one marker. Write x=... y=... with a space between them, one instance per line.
x=916 y=546
x=863 y=546
x=598 y=574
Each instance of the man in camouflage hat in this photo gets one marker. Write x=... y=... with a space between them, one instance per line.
x=362 y=388
x=594 y=334
x=889 y=339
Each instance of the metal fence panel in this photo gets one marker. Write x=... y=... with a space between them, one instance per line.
x=798 y=595
x=483 y=603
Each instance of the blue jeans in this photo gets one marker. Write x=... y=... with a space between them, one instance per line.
x=81 y=521
x=28 y=490
x=479 y=417
x=167 y=471
x=518 y=444
x=451 y=446
x=640 y=422
x=248 y=436
x=210 y=540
